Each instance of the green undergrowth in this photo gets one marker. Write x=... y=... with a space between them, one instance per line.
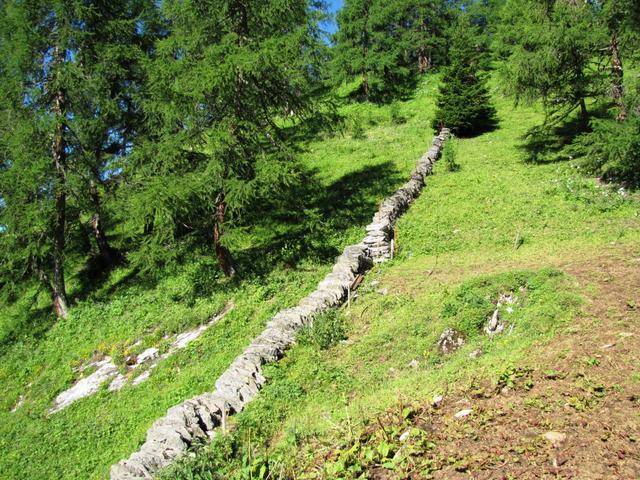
x=282 y=253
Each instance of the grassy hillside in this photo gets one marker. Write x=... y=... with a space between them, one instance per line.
x=282 y=255
x=497 y=219
x=495 y=226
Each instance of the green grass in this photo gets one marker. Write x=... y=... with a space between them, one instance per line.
x=495 y=225
x=282 y=257
x=494 y=216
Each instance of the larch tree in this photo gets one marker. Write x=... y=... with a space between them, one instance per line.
x=37 y=40
x=621 y=19
x=353 y=44
x=221 y=85
x=372 y=47
x=118 y=37
x=425 y=23
x=62 y=108
x=550 y=49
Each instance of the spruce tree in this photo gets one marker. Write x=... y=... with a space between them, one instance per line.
x=464 y=103
x=220 y=86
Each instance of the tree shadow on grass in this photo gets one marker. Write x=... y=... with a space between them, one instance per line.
x=310 y=216
x=305 y=222
x=547 y=144
x=33 y=326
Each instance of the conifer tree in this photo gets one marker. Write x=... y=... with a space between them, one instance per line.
x=62 y=110
x=36 y=42
x=371 y=46
x=548 y=49
x=425 y=23
x=117 y=38
x=464 y=103
x=221 y=79
x=353 y=43
x=622 y=21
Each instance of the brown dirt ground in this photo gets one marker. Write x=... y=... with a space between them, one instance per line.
x=584 y=385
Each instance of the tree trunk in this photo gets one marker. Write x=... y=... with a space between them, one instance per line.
x=60 y=303
x=365 y=84
x=222 y=253
x=365 y=52
x=617 y=76
x=424 y=59
x=109 y=254
x=424 y=52
x=584 y=113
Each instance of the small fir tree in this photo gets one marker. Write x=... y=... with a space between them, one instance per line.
x=464 y=103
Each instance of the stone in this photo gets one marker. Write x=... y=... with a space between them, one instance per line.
x=141 y=378
x=436 y=401
x=414 y=364
x=463 y=413
x=494 y=326
x=86 y=386
x=476 y=353
x=118 y=382
x=170 y=436
x=18 y=404
x=555 y=438
x=147 y=355
x=450 y=341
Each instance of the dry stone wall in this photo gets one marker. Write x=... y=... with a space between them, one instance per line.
x=199 y=417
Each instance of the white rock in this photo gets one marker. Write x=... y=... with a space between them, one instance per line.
x=18 y=404
x=117 y=383
x=141 y=378
x=147 y=355
x=494 y=326
x=476 y=353
x=463 y=413
x=555 y=438
x=86 y=386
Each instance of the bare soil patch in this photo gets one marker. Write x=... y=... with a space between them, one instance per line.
x=571 y=410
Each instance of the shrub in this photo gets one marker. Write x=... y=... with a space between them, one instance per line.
x=357 y=130
x=612 y=149
x=450 y=152
x=396 y=116
x=327 y=330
